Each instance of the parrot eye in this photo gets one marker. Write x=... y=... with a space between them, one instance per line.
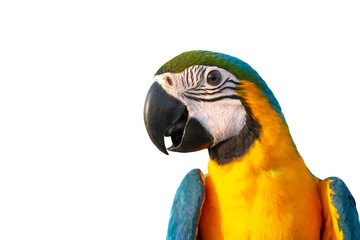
x=213 y=78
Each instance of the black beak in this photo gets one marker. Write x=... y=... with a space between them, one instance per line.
x=164 y=115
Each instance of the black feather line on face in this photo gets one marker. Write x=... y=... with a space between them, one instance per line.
x=184 y=79
x=197 y=75
x=202 y=74
x=192 y=79
x=213 y=93
x=212 y=89
x=211 y=99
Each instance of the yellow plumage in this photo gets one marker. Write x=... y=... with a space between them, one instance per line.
x=269 y=193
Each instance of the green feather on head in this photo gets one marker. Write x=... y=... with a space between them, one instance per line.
x=240 y=69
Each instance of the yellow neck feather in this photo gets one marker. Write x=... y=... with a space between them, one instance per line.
x=275 y=146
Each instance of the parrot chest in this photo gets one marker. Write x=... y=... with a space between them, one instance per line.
x=261 y=207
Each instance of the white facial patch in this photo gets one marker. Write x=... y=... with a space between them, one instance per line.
x=224 y=118
x=216 y=106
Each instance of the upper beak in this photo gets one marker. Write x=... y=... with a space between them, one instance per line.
x=161 y=111
x=164 y=115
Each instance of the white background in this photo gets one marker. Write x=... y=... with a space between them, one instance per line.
x=75 y=158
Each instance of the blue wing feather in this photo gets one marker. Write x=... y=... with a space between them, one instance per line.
x=186 y=209
x=345 y=205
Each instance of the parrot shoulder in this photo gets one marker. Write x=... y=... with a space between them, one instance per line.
x=340 y=217
x=186 y=208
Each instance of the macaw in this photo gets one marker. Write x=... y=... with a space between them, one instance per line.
x=257 y=186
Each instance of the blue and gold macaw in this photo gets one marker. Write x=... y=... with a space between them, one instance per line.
x=258 y=186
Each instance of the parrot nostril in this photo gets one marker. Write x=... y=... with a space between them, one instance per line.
x=169 y=81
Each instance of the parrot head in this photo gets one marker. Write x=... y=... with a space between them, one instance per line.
x=204 y=99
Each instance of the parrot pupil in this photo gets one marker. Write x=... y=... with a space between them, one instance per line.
x=213 y=78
